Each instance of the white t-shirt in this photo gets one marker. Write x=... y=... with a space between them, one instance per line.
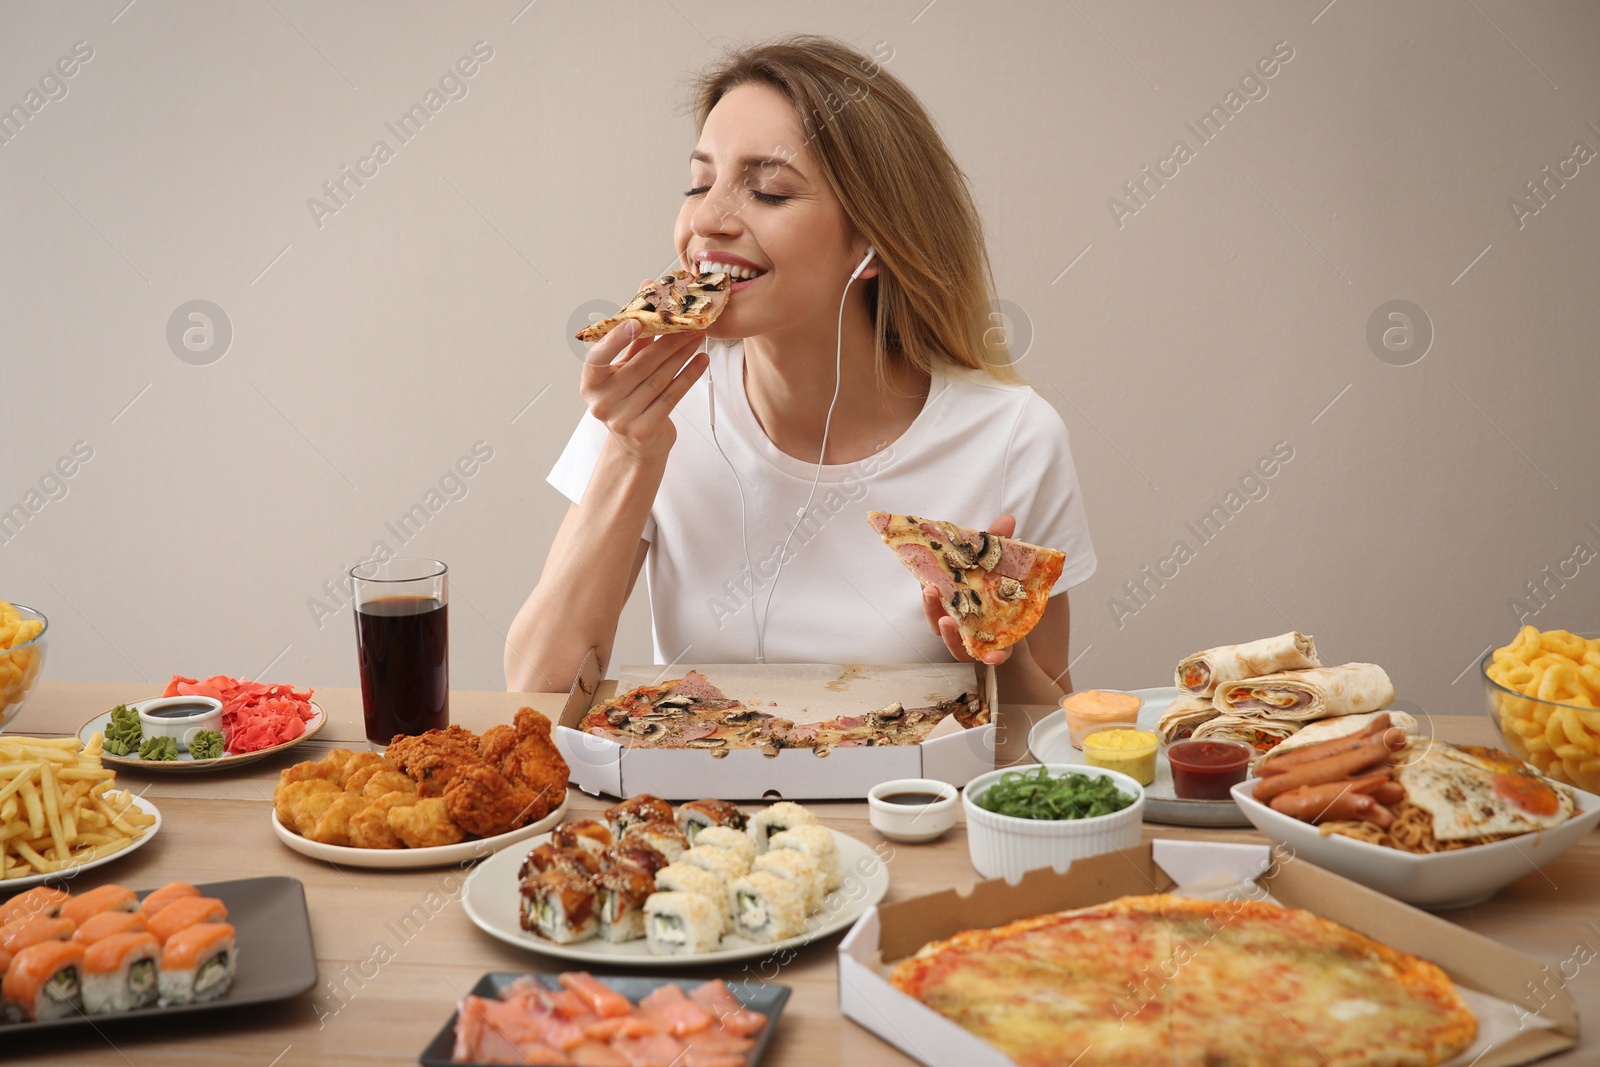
x=978 y=449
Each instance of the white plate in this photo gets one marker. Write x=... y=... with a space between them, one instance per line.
x=188 y=764
x=403 y=859
x=1050 y=742
x=1440 y=880
x=493 y=904
x=66 y=876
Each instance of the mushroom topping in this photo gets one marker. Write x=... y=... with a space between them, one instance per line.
x=707 y=742
x=617 y=716
x=744 y=715
x=647 y=731
x=989 y=552
x=984 y=635
x=675 y=701
x=892 y=713
x=965 y=602
x=1011 y=589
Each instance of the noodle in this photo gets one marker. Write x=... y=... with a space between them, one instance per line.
x=1411 y=831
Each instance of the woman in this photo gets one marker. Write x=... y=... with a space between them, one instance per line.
x=740 y=462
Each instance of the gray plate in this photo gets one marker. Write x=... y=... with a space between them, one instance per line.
x=276 y=959
x=1049 y=742
x=764 y=997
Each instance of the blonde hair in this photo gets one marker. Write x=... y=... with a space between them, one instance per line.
x=932 y=299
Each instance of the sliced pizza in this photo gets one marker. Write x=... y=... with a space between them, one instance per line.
x=996 y=588
x=676 y=302
x=1156 y=981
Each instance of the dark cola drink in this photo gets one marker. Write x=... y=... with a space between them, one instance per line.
x=403 y=644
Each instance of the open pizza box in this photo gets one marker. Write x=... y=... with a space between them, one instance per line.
x=1522 y=1015
x=804 y=692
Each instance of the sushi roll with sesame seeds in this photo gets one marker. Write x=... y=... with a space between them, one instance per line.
x=784 y=815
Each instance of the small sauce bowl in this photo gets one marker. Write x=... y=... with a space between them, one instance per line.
x=912 y=810
x=180 y=718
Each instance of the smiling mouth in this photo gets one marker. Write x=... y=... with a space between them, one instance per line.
x=738 y=274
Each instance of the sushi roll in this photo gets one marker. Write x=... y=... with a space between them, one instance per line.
x=633 y=854
x=766 y=907
x=185 y=911
x=729 y=840
x=120 y=973
x=642 y=808
x=157 y=899
x=798 y=868
x=620 y=894
x=664 y=837
x=816 y=842
x=559 y=906
x=720 y=862
x=44 y=981
x=107 y=923
x=198 y=964
x=40 y=900
x=784 y=815
x=696 y=815
x=27 y=932
x=681 y=924
x=82 y=908
x=591 y=835
x=687 y=878
x=550 y=856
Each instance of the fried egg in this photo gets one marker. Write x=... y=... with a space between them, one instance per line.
x=1471 y=791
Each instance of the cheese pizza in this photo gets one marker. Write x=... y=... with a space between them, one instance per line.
x=1159 y=981
x=996 y=588
x=676 y=302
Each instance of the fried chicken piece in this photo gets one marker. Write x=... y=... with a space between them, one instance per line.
x=289 y=794
x=535 y=763
x=483 y=802
x=431 y=759
x=333 y=828
x=369 y=827
x=424 y=824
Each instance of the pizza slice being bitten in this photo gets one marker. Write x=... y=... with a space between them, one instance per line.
x=676 y=302
x=996 y=588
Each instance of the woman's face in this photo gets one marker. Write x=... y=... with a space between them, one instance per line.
x=758 y=200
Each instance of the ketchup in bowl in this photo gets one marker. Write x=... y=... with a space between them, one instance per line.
x=1207 y=769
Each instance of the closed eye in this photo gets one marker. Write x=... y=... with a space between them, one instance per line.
x=764 y=198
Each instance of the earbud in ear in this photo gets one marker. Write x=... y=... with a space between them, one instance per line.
x=864 y=261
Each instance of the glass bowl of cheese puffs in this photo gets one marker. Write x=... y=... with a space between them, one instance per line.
x=24 y=633
x=1543 y=693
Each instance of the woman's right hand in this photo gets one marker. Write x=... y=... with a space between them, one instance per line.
x=632 y=383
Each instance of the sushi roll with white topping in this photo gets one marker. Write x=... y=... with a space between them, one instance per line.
x=681 y=924
x=687 y=878
x=784 y=815
x=766 y=907
x=817 y=843
x=799 y=868
x=720 y=862
x=729 y=840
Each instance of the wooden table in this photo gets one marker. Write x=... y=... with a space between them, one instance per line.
x=217 y=827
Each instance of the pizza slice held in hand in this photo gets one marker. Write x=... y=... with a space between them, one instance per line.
x=996 y=588
x=676 y=302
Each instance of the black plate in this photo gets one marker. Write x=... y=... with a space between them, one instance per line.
x=764 y=997
x=276 y=959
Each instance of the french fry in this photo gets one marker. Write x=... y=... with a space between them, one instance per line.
x=35 y=808
x=59 y=807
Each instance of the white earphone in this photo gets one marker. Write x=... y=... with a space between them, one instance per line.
x=800 y=515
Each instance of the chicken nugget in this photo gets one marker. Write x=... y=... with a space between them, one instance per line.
x=355 y=762
x=308 y=770
x=311 y=807
x=286 y=796
x=424 y=824
x=369 y=827
x=384 y=781
x=333 y=828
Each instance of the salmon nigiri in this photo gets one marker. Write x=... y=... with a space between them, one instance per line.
x=44 y=981
x=198 y=963
x=107 y=923
x=106 y=898
x=157 y=899
x=185 y=911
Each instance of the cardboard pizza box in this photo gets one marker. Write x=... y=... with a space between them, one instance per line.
x=1536 y=1022
x=803 y=692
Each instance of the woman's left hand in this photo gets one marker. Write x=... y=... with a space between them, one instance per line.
x=942 y=624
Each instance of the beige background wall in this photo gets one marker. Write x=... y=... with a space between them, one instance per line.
x=372 y=347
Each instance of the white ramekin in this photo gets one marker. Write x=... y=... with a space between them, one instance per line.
x=1003 y=846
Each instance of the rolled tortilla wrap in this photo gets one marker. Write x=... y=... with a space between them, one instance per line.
x=1200 y=674
x=1328 y=729
x=1315 y=693
x=1262 y=734
x=1183 y=716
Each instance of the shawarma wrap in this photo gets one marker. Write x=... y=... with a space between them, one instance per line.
x=1315 y=693
x=1200 y=674
x=1262 y=734
x=1183 y=716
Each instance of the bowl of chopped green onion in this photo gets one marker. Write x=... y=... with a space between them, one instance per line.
x=1047 y=815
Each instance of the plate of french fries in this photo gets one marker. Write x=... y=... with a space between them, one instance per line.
x=60 y=810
